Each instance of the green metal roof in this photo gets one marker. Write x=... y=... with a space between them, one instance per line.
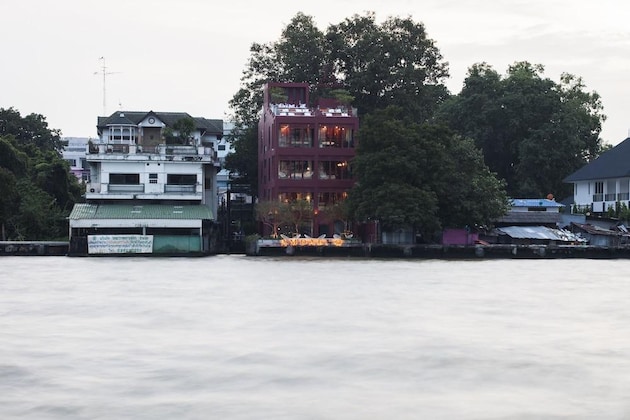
x=83 y=211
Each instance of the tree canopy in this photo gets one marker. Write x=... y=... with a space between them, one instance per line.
x=532 y=130
x=37 y=190
x=372 y=65
x=422 y=176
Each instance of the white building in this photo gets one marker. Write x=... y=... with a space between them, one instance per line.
x=74 y=152
x=605 y=181
x=152 y=186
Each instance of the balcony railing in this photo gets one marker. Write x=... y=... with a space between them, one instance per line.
x=126 y=188
x=623 y=196
x=598 y=197
x=166 y=151
x=183 y=189
x=610 y=197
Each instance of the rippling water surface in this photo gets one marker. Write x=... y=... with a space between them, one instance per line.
x=235 y=337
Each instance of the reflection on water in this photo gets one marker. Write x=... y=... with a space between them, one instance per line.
x=256 y=338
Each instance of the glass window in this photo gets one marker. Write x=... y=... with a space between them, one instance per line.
x=295 y=169
x=334 y=170
x=181 y=179
x=122 y=134
x=291 y=135
x=336 y=136
x=124 y=179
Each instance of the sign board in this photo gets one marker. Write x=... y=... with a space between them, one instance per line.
x=120 y=244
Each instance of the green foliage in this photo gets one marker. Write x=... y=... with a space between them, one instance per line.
x=393 y=63
x=421 y=176
x=358 y=61
x=37 y=190
x=532 y=130
x=29 y=130
x=243 y=163
x=273 y=214
x=180 y=132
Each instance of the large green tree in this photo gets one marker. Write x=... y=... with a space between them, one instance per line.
x=375 y=65
x=532 y=130
x=422 y=176
x=392 y=63
x=37 y=190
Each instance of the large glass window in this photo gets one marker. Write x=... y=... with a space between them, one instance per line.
x=291 y=135
x=334 y=170
x=122 y=134
x=294 y=196
x=330 y=198
x=181 y=179
x=124 y=179
x=336 y=136
x=295 y=169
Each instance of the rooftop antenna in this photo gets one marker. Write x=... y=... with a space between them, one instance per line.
x=104 y=73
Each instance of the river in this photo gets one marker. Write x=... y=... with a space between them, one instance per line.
x=236 y=337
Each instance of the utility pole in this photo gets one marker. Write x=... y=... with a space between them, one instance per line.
x=104 y=73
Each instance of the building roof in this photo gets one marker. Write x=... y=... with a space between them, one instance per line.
x=168 y=118
x=597 y=230
x=610 y=164
x=82 y=211
x=530 y=218
x=535 y=202
x=538 y=232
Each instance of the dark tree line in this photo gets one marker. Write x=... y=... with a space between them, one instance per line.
x=426 y=157
x=37 y=190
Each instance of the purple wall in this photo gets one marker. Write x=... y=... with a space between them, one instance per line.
x=458 y=237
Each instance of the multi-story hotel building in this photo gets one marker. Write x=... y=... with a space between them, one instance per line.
x=305 y=149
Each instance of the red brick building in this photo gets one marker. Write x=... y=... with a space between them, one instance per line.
x=305 y=149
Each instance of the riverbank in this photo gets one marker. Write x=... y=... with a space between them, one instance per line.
x=362 y=250
x=41 y=248
x=506 y=251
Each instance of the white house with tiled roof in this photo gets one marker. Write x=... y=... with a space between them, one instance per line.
x=152 y=186
x=605 y=181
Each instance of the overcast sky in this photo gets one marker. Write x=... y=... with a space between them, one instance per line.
x=188 y=55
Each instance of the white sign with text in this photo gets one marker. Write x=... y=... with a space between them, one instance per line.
x=120 y=244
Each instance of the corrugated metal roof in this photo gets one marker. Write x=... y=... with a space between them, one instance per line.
x=83 y=211
x=538 y=232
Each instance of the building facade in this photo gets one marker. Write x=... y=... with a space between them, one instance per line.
x=74 y=152
x=305 y=150
x=605 y=182
x=152 y=186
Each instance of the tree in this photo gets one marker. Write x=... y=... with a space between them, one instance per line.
x=533 y=131
x=394 y=63
x=357 y=60
x=273 y=214
x=422 y=176
x=9 y=200
x=37 y=190
x=301 y=214
x=29 y=130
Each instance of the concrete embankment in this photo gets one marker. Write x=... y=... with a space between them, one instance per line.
x=56 y=248
x=448 y=252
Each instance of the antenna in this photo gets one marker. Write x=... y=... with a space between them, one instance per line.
x=105 y=73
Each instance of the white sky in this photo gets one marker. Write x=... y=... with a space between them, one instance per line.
x=188 y=55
